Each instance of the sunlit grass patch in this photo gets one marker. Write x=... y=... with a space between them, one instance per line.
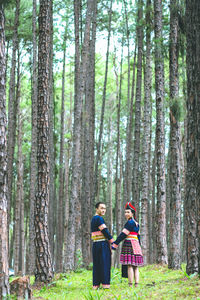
x=156 y=282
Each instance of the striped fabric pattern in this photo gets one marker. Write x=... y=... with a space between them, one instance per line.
x=132 y=236
x=102 y=226
x=128 y=257
x=98 y=236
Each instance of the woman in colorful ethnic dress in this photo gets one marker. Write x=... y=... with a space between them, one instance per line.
x=131 y=255
x=101 y=248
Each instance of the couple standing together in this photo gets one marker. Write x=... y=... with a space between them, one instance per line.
x=131 y=254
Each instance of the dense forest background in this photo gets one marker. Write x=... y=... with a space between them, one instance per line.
x=101 y=101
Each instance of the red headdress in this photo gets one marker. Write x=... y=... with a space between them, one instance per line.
x=130 y=206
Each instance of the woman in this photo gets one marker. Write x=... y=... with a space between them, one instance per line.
x=131 y=255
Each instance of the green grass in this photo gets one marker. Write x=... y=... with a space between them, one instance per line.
x=156 y=282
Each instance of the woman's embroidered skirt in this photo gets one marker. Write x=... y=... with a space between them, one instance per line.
x=131 y=254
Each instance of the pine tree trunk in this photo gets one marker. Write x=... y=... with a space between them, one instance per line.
x=88 y=147
x=145 y=199
x=136 y=152
x=44 y=270
x=96 y=174
x=52 y=154
x=33 y=171
x=174 y=173
x=80 y=77
x=7 y=49
x=12 y=108
x=69 y=263
x=168 y=191
x=109 y=214
x=150 y=203
x=4 y=268
x=19 y=193
x=192 y=148
x=129 y=127
x=153 y=176
x=160 y=137
x=67 y=175
x=183 y=193
x=60 y=207
x=118 y=205
x=183 y=161
x=22 y=227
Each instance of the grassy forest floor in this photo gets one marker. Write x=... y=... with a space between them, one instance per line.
x=156 y=282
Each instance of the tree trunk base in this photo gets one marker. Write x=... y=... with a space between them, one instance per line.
x=21 y=288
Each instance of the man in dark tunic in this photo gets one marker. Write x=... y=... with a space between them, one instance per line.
x=101 y=250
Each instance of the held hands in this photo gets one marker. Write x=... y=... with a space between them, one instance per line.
x=113 y=246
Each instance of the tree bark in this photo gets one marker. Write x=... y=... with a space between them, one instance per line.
x=33 y=171
x=109 y=216
x=193 y=133
x=19 y=206
x=4 y=268
x=129 y=127
x=67 y=174
x=60 y=207
x=174 y=172
x=136 y=151
x=44 y=270
x=96 y=192
x=80 y=77
x=153 y=176
x=160 y=137
x=12 y=108
x=145 y=199
x=52 y=142
x=88 y=146
x=118 y=178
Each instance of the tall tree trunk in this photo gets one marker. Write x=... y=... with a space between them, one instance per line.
x=88 y=146
x=128 y=161
x=109 y=216
x=183 y=181
x=168 y=191
x=118 y=183
x=160 y=137
x=44 y=270
x=153 y=176
x=52 y=154
x=12 y=109
x=19 y=192
x=145 y=199
x=193 y=146
x=7 y=50
x=22 y=225
x=150 y=202
x=183 y=161
x=174 y=174
x=60 y=207
x=4 y=268
x=19 y=207
x=80 y=77
x=69 y=263
x=67 y=175
x=33 y=170
x=103 y=107
x=136 y=152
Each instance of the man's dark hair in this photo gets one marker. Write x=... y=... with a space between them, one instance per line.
x=98 y=203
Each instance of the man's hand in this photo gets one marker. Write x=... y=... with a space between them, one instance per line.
x=114 y=246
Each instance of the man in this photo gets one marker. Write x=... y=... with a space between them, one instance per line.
x=101 y=250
